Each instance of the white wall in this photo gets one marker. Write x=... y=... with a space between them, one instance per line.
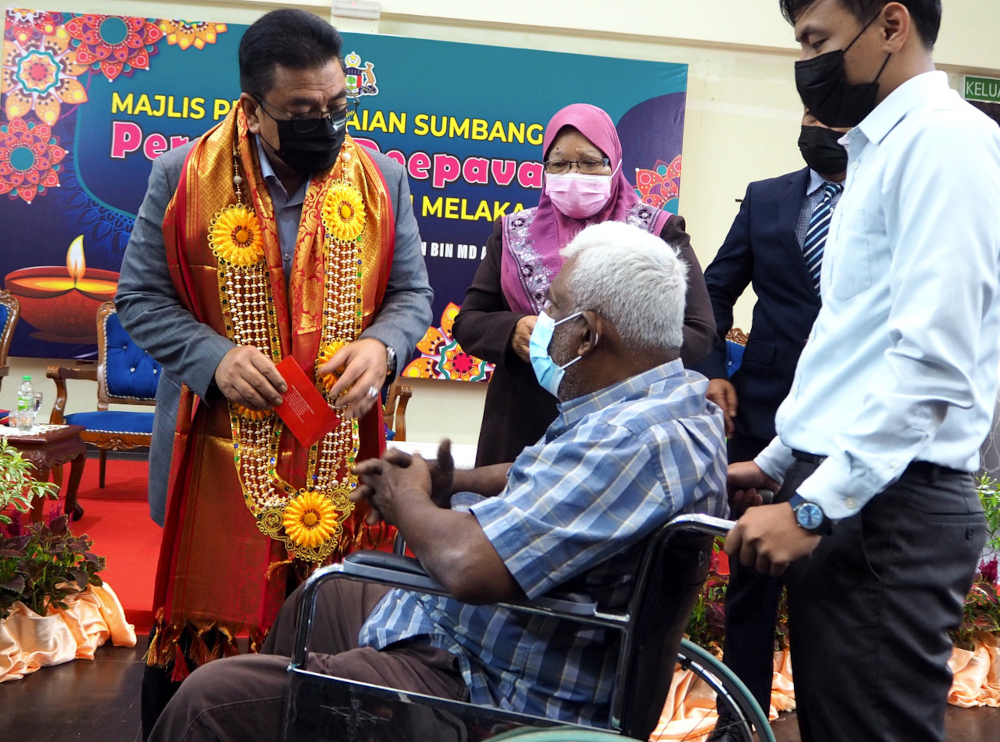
x=742 y=118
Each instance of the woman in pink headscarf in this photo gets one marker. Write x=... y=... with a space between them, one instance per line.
x=584 y=185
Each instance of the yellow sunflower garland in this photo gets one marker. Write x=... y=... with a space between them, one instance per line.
x=251 y=414
x=307 y=521
x=310 y=519
x=344 y=212
x=328 y=352
x=235 y=236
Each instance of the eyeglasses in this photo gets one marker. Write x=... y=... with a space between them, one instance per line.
x=589 y=166
x=306 y=122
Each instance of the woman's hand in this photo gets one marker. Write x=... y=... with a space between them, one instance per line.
x=522 y=337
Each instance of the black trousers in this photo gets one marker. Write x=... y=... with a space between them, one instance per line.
x=751 y=606
x=870 y=608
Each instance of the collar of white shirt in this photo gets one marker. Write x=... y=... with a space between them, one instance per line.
x=912 y=93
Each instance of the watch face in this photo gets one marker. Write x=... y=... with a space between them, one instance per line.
x=809 y=516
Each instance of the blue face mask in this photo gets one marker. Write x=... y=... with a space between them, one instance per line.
x=548 y=372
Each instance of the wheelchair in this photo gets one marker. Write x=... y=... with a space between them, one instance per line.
x=666 y=585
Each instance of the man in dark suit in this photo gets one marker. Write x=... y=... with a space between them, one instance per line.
x=776 y=244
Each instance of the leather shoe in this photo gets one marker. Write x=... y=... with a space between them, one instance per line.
x=726 y=730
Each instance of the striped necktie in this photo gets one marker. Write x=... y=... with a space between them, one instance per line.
x=819 y=226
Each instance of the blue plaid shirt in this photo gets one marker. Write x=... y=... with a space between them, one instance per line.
x=613 y=467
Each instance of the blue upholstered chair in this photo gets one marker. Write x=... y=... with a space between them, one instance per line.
x=10 y=310
x=125 y=374
x=736 y=341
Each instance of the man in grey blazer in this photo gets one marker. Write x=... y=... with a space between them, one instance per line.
x=294 y=104
x=210 y=364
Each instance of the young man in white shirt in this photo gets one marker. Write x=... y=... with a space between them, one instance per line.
x=878 y=521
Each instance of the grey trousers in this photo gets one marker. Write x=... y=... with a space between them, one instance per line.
x=243 y=698
x=870 y=608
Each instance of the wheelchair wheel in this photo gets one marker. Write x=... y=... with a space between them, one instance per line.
x=733 y=701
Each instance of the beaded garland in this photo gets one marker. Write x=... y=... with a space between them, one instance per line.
x=250 y=319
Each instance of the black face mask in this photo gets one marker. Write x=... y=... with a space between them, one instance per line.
x=821 y=151
x=823 y=87
x=311 y=151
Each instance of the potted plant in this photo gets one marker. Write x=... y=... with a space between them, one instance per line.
x=49 y=582
x=17 y=487
x=46 y=564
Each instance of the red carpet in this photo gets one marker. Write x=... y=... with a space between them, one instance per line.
x=117 y=519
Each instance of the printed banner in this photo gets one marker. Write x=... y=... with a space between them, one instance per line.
x=89 y=101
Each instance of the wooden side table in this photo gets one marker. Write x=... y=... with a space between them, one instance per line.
x=48 y=446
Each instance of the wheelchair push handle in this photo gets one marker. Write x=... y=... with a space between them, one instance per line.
x=698 y=523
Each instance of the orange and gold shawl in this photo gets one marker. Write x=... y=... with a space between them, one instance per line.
x=217 y=571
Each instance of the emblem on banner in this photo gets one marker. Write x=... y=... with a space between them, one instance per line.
x=360 y=79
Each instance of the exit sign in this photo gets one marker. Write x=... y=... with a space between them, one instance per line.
x=982 y=88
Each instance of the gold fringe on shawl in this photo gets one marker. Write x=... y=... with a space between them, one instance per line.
x=184 y=646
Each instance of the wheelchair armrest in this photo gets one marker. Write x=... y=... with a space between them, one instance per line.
x=406 y=572
x=398 y=570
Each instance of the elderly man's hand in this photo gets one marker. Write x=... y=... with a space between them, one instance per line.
x=442 y=473
x=364 y=365
x=723 y=393
x=745 y=475
x=247 y=377
x=768 y=539
x=744 y=479
x=390 y=483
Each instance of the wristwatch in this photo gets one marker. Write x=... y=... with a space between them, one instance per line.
x=390 y=361
x=810 y=516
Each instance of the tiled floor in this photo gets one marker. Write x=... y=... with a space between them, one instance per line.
x=99 y=702
x=961 y=725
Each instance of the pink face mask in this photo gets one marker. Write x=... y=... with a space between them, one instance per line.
x=578 y=196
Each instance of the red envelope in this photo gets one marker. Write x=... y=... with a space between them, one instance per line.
x=303 y=409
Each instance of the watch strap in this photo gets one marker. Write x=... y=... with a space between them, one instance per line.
x=390 y=361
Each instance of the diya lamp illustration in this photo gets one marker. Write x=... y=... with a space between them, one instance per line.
x=61 y=302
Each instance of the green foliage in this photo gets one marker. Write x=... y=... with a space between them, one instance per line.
x=45 y=566
x=707 y=626
x=989 y=494
x=982 y=607
x=17 y=487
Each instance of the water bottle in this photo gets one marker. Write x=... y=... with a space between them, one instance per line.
x=25 y=415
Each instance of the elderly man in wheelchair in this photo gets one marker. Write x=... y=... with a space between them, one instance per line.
x=634 y=445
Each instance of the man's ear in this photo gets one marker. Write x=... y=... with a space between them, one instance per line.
x=897 y=25
x=250 y=107
x=590 y=333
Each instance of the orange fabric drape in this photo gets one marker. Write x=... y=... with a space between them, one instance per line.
x=976 y=679
x=29 y=641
